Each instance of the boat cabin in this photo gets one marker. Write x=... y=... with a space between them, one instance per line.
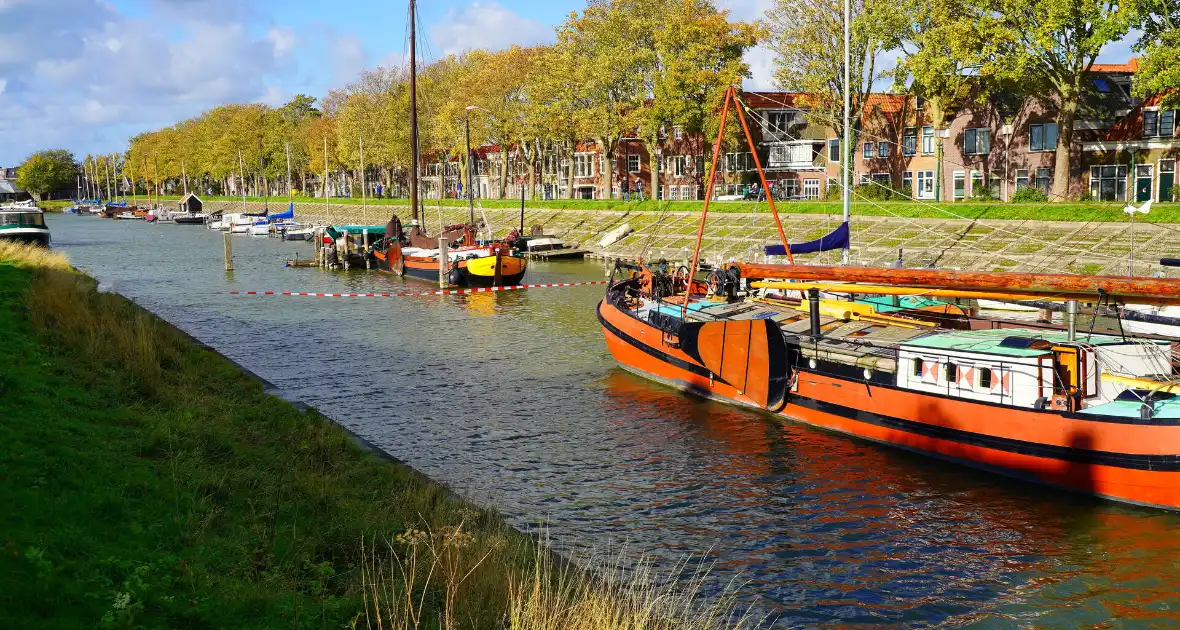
x=191 y=204
x=1027 y=368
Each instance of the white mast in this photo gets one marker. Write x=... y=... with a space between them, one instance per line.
x=364 y=192
x=242 y=171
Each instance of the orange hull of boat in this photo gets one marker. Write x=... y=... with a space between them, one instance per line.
x=1116 y=459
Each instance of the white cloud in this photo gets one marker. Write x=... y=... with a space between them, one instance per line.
x=486 y=25
x=349 y=57
x=107 y=75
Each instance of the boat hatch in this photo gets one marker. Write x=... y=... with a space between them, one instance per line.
x=1024 y=343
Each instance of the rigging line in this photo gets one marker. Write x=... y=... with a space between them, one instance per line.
x=921 y=202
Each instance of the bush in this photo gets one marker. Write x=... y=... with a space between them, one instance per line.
x=878 y=191
x=1030 y=195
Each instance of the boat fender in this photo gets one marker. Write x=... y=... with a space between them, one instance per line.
x=455 y=277
x=1041 y=403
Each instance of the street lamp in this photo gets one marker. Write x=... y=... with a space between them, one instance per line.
x=470 y=174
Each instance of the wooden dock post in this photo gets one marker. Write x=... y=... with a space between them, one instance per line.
x=443 y=270
x=229 y=252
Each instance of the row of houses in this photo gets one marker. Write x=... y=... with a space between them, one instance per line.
x=1124 y=149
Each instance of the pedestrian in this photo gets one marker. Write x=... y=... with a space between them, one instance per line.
x=379 y=190
x=458 y=190
x=623 y=189
x=638 y=189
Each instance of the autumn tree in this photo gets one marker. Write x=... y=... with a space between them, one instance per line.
x=1051 y=45
x=807 y=37
x=45 y=172
x=1159 y=65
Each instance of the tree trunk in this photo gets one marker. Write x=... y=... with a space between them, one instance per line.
x=608 y=170
x=653 y=163
x=503 y=171
x=1065 y=123
x=569 y=173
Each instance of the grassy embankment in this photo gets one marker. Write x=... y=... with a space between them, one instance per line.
x=1068 y=211
x=54 y=206
x=147 y=482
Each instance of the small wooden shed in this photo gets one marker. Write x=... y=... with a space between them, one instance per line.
x=191 y=203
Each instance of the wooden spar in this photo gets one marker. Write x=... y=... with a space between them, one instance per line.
x=696 y=252
x=1146 y=290
x=877 y=289
x=762 y=177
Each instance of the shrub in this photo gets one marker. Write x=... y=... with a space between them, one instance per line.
x=1030 y=195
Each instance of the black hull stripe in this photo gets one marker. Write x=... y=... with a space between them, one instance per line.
x=1157 y=463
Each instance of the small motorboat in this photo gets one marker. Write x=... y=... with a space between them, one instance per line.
x=196 y=218
x=23 y=223
x=297 y=233
x=261 y=227
x=128 y=215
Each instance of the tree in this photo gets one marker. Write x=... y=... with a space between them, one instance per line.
x=47 y=171
x=808 y=41
x=1051 y=45
x=1159 y=66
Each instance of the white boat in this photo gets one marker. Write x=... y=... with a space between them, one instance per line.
x=298 y=234
x=128 y=216
x=994 y=305
x=23 y=223
x=1149 y=328
x=260 y=227
x=238 y=223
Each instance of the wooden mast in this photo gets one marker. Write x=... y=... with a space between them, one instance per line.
x=413 y=116
x=696 y=250
x=1131 y=289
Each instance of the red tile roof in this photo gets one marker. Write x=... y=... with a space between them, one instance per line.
x=770 y=100
x=889 y=103
x=1131 y=66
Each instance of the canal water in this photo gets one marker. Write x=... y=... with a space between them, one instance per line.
x=512 y=399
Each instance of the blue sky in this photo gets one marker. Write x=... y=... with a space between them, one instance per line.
x=88 y=74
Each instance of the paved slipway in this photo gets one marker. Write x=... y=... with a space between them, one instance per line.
x=951 y=243
x=511 y=399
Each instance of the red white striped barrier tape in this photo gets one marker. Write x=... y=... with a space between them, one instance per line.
x=422 y=293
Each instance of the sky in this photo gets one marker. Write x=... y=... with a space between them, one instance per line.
x=86 y=75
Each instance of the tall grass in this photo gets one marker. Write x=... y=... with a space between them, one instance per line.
x=32 y=257
x=607 y=593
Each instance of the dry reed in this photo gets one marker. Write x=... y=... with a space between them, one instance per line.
x=414 y=569
x=32 y=256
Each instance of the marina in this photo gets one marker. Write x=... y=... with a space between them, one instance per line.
x=825 y=527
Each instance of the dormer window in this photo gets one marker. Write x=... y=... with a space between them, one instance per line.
x=1102 y=86
x=779 y=122
x=1159 y=124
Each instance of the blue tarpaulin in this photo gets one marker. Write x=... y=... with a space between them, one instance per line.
x=836 y=239
x=289 y=214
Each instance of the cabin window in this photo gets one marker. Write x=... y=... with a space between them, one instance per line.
x=918 y=367
x=952 y=373
x=985 y=378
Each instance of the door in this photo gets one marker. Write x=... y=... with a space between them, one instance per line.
x=1167 y=179
x=1143 y=182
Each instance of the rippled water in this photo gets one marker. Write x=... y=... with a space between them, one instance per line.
x=512 y=400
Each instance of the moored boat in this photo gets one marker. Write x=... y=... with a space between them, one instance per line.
x=24 y=223
x=468 y=263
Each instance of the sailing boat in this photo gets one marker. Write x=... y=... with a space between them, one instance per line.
x=413 y=252
x=1089 y=412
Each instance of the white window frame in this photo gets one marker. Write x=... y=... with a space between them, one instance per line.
x=976 y=176
x=925 y=182
x=1044 y=127
x=677 y=132
x=974 y=134
x=811 y=188
x=686 y=193
x=907 y=182
x=927 y=140
x=882 y=149
x=638 y=164
x=958 y=193
x=584 y=165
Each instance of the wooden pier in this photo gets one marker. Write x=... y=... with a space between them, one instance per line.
x=556 y=254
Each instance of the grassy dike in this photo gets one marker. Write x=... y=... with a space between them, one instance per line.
x=148 y=482
x=978 y=210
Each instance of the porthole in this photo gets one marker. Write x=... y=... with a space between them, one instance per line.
x=812 y=364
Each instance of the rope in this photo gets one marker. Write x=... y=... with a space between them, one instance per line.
x=418 y=293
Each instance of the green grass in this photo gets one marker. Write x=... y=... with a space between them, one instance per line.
x=148 y=483
x=54 y=206
x=1066 y=211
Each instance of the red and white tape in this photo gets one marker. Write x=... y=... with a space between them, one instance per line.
x=421 y=293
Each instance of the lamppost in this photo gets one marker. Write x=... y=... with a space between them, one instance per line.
x=470 y=175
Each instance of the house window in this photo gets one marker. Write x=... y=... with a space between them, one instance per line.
x=686 y=193
x=1108 y=183
x=984 y=376
x=960 y=185
x=1021 y=178
x=676 y=165
x=917 y=361
x=1043 y=177
x=976 y=141
x=678 y=132
x=1159 y=123
x=864 y=179
x=673 y=193
x=976 y=183
x=778 y=155
x=907 y=182
x=779 y=121
x=882 y=179
x=882 y=149
x=993 y=183
x=811 y=189
x=583 y=165
x=632 y=163
x=925 y=185
x=868 y=150
x=909 y=141
x=1042 y=137
x=927 y=140
x=834 y=150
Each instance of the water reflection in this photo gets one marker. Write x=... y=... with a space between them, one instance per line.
x=511 y=398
